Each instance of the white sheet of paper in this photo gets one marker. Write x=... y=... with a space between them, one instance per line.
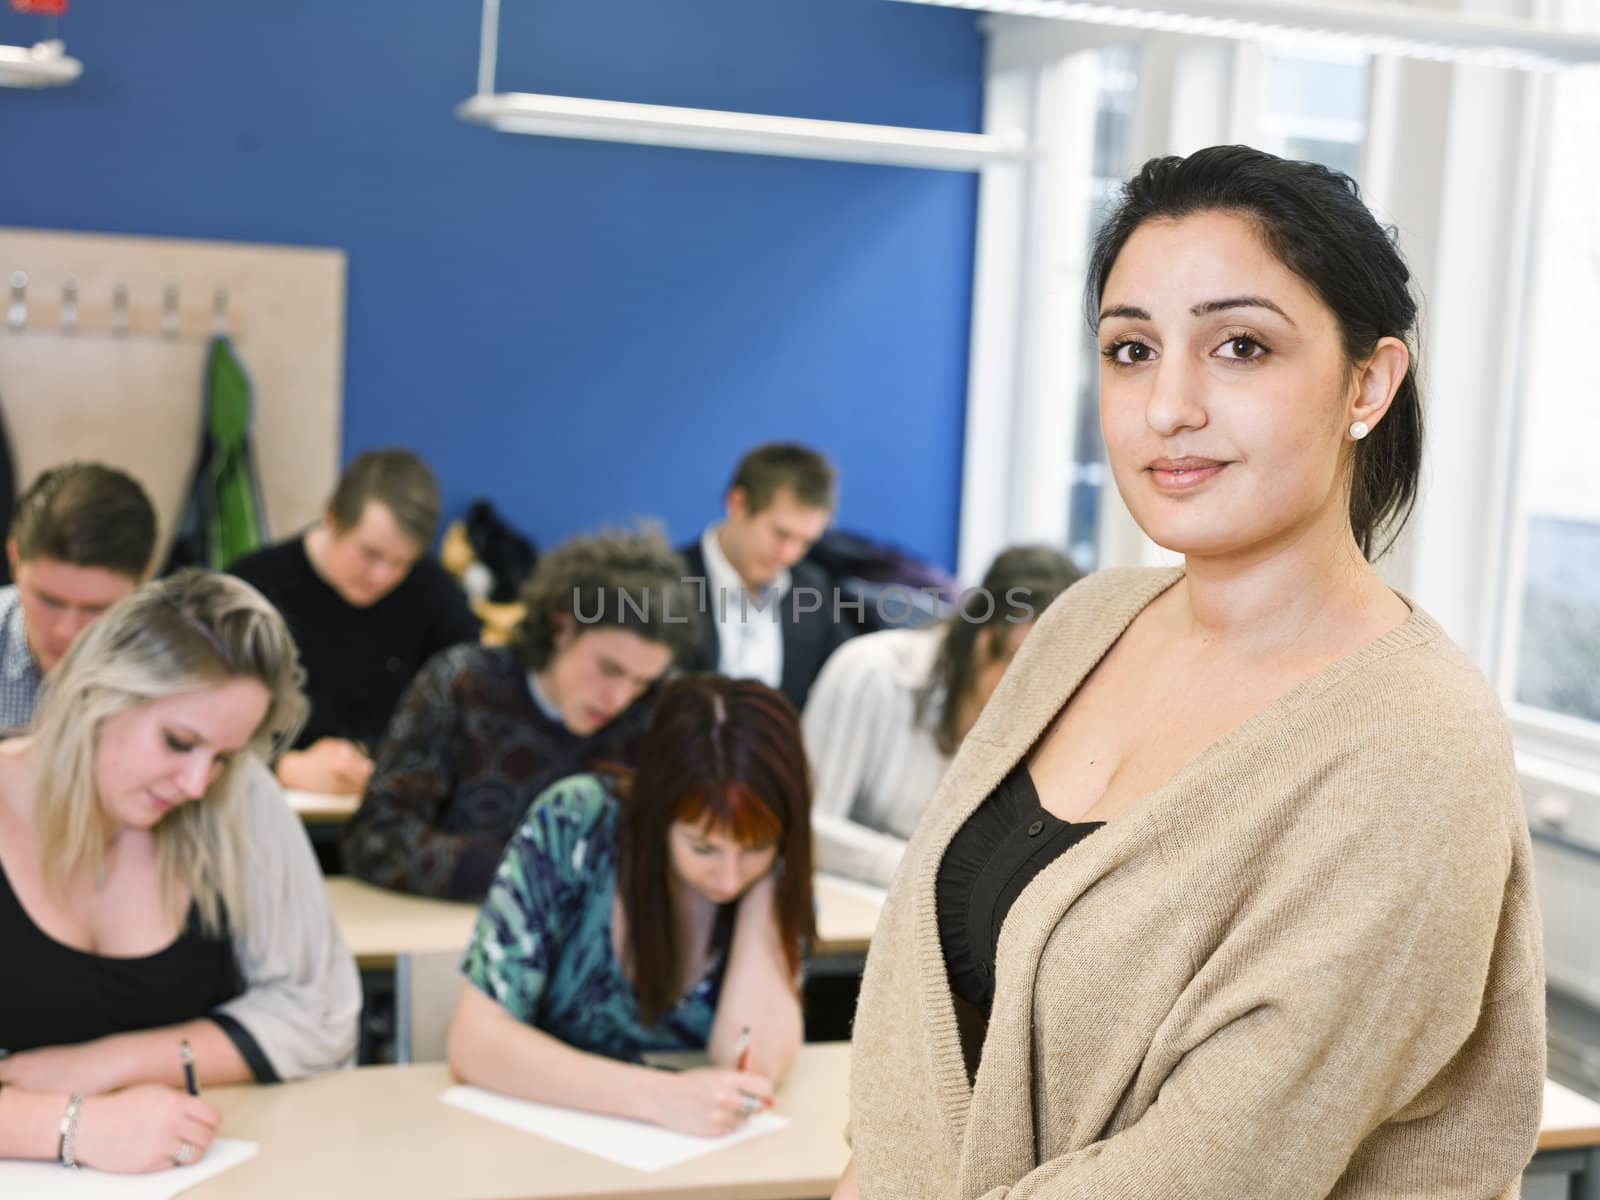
x=630 y=1143
x=303 y=801
x=51 y=1181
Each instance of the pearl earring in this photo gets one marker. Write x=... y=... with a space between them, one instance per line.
x=1359 y=430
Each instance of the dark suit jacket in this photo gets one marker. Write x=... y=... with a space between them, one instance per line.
x=808 y=637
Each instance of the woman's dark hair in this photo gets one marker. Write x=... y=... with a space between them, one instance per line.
x=1019 y=585
x=726 y=754
x=1313 y=221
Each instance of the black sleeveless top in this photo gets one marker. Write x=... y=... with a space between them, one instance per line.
x=56 y=995
x=1003 y=845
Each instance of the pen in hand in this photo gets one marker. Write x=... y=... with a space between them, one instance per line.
x=750 y=1105
x=187 y=1055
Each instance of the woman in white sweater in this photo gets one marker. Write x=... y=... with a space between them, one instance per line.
x=890 y=709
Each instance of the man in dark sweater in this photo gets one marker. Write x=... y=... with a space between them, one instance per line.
x=367 y=608
x=484 y=729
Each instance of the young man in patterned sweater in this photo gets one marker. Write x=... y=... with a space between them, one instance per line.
x=483 y=730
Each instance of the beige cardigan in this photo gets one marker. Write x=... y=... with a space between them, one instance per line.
x=1307 y=965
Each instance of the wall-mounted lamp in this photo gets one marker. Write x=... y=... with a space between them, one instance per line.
x=44 y=64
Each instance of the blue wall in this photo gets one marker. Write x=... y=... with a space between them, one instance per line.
x=584 y=332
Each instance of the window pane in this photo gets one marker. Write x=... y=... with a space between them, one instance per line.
x=1341 y=156
x=1560 y=660
x=1314 y=107
x=1320 y=88
x=1113 y=146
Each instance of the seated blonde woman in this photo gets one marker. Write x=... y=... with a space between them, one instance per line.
x=156 y=893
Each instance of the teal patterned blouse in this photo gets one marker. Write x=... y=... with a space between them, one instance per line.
x=542 y=946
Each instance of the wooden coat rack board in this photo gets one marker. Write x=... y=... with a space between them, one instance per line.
x=103 y=348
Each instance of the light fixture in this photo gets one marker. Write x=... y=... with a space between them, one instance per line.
x=44 y=64
x=715 y=129
x=1392 y=29
x=749 y=133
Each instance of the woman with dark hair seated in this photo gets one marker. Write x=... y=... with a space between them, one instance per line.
x=891 y=708
x=662 y=911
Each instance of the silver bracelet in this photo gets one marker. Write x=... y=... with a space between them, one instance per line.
x=69 y=1131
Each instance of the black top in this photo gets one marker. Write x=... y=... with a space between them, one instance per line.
x=1003 y=845
x=358 y=661
x=58 y=996
x=816 y=619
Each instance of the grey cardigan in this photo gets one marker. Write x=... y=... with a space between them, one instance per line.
x=302 y=996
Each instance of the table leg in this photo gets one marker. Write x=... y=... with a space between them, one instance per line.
x=402 y=1008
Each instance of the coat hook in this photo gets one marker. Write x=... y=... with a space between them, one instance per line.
x=169 y=311
x=69 y=304
x=219 y=312
x=119 y=310
x=17 y=311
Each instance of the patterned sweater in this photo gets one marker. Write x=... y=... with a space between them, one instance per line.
x=1307 y=965
x=467 y=752
x=542 y=947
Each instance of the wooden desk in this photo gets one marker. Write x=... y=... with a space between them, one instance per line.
x=320 y=808
x=379 y=925
x=847 y=913
x=381 y=1131
x=1569 y=1141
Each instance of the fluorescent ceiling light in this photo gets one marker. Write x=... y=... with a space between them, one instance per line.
x=1394 y=29
x=714 y=129
x=44 y=64
x=748 y=133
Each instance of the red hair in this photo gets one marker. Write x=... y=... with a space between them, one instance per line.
x=726 y=754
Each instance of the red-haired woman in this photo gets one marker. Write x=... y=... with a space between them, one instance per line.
x=662 y=912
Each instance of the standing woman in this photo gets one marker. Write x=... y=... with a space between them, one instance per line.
x=159 y=902
x=663 y=912
x=1228 y=893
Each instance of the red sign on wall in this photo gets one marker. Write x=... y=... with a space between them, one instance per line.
x=52 y=8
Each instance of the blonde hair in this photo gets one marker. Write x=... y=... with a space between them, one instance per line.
x=191 y=631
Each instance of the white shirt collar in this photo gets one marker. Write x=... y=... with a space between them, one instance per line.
x=749 y=636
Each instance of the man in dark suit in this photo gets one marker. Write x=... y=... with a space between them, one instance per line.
x=764 y=613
